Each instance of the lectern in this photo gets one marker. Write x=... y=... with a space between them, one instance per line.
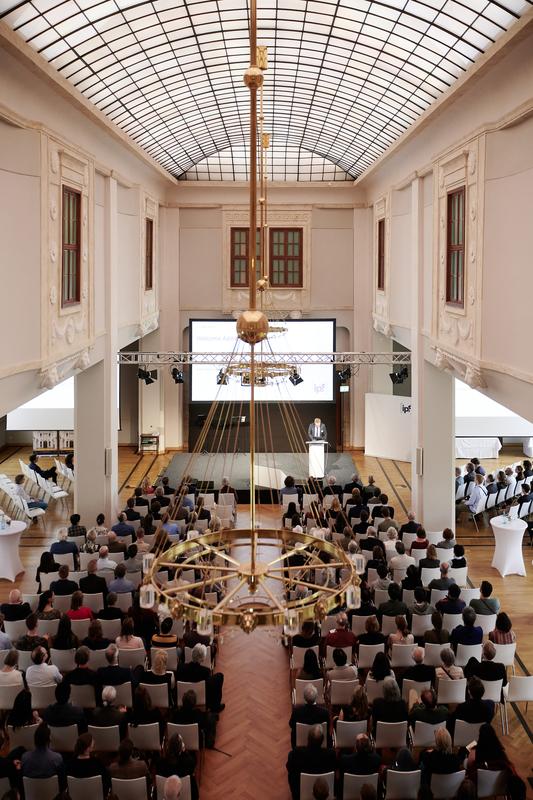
x=317 y=457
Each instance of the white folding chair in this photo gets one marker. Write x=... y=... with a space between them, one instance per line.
x=15 y=628
x=329 y=655
x=110 y=628
x=451 y=621
x=487 y=622
x=81 y=628
x=8 y=695
x=106 y=739
x=298 y=656
x=446 y=786
x=124 y=601
x=459 y=574
x=428 y=574
x=32 y=600
x=48 y=627
x=416 y=686
x=352 y=784
x=97 y=659
x=347 y=732
x=467 y=651
x=408 y=597
x=491 y=783
x=118 y=558
x=380 y=596
x=367 y=653
x=86 y=788
x=452 y=691
x=402 y=785
x=374 y=689
x=24 y=660
x=158 y=694
x=63 y=739
x=302 y=733
x=341 y=692
x=189 y=733
x=359 y=624
x=43 y=696
x=308 y=781
x=41 y=788
x=402 y=655
x=62 y=602
x=299 y=688
x=469 y=594
x=420 y=623
x=63 y=659
x=198 y=688
x=145 y=737
x=129 y=789
x=82 y=696
x=22 y=737
x=94 y=601
x=391 y=734
x=505 y=654
x=124 y=694
x=424 y=734
x=65 y=558
x=465 y=732
x=388 y=624
x=436 y=595
x=132 y=658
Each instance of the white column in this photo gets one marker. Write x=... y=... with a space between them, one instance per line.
x=170 y=325
x=438 y=429
x=96 y=413
x=362 y=320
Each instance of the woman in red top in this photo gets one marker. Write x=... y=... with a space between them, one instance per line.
x=420 y=543
x=77 y=610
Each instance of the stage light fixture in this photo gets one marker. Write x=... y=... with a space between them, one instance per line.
x=399 y=377
x=295 y=378
x=344 y=375
x=147 y=377
x=177 y=375
x=222 y=378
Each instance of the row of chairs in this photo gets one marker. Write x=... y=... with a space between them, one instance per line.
x=15 y=506
x=65 y=472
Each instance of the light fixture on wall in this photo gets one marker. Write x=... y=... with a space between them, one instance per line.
x=177 y=375
x=344 y=375
x=222 y=378
x=147 y=377
x=399 y=377
x=296 y=378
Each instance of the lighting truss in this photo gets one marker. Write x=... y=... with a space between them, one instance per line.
x=277 y=361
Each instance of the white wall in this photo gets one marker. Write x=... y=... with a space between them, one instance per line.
x=388 y=426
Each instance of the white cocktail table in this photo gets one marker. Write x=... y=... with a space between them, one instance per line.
x=10 y=563
x=508 y=558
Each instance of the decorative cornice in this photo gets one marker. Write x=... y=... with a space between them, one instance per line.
x=468 y=371
x=381 y=325
x=58 y=371
x=148 y=324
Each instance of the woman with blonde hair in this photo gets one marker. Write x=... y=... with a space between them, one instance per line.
x=440 y=759
x=402 y=634
x=358 y=709
x=158 y=672
x=215 y=524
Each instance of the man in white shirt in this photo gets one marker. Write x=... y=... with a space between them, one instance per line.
x=470 y=505
x=402 y=560
x=103 y=561
x=40 y=673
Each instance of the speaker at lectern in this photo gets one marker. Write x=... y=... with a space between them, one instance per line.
x=317 y=457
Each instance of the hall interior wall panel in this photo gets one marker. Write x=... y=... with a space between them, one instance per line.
x=400 y=257
x=149 y=295
x=129 y=256
x=200 y=259
x=427 y=244
x=20 y=209
x=388 y=426
x=99 y=255
x=332 y=267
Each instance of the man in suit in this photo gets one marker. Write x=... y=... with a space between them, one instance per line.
x=131 y=514
x=393 y=607
x=410 y=526
x=121 y=528
x=475 y=708
x=355 y=483
x=63 y=546
x=62 y=713
x=15 y=610
x=93 y=583
x=317 y=431
x=113 y=675
x=332 y=487
x=111 y=611
x=161 y=498
x=468 y=632
x=82 y=674
x=139 y=499
x=48 y=474
x=63 y=586
x=310 y=713
x=444 y=582
x=365 y=760
x=487 y=669
x=195 y=672
x=167 y=488
x=313 y=759
x=377 y=508
x=114 y=545
x=419 y=672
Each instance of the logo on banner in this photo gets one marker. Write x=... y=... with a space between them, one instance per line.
x=405 y=409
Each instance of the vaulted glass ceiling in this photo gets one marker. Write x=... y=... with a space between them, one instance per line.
x=346 y=77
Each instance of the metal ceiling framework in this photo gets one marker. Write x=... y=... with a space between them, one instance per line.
x=266 y=357
x=346 y=77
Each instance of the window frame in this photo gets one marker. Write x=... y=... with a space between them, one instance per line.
x=455 y=284
x=148 y=254
x=73 y=298
x=285 y=258
x=380 y=262
x=246 y=231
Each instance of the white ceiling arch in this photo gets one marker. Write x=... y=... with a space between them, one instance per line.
x=346 y=77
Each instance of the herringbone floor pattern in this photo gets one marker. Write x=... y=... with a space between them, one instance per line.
x=253 y=731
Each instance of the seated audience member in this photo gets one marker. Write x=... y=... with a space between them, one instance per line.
x=75 y=529
x=390 y=541
x=485 y=604
x=421 y=606
x=370 y=488
x=42 y=762
x=103 y=561
x=108 y=713
x=342 y=671
x=189 y=714
x=129 y=511
x=361 y=527
x=165 y=638
x=82 y=674
x=40 y=673
x=10 y=674
x=100 y=528
x=5 y=641
x=478 y=468
x=382 y=581
x=290 y=512
x=63 y=546
x=452 y=604
x=427 y=709
x=419 y=672
x=120 y=584
x=195 y=671
x=126 y=766
x=332 y=487
x=21 y=714
x=158 y=674
x=438 y=634
x=309 y=713
x=64 y=638
x=122 y=528
x=490 y=484
x=487 y=669
x=147 y=487
x=141 y=543
x=45 y=607
x=404 y=762
x=380 y=668
x=90 y=546
x=139 y=499
x=444 y=582
x=201 y=511
x=114 y=544
x=401 y=561
x=387 y=522
x=358 y=708
x=95 y=639
x=15 y=610
x=84 y=764
x=367 y=607
x=21 y=492
x=470 y=505
x=470 y=473
x=489 y=753
x=448 y=671
x=421 y=542
x=468 y=632
x=62 y=587
x=390 y=707
x=503 y=633
x=371 y=541
x=113 y=674
x=93 y=583
x=410 y=526
x=161 y=541
x=175 y=762
x=77 y=609
x=439 y=760
x=402 y=634
x=310 y=670
x=393 y=607
x=354 y=483
x=458 y=561
x=171 y=527
x=161 y=497
x=341 y=636
x=475 y=708
x=372 y=633
x=47 y=474
x=448 y=539
x=364 y=761
x=459 y=480
x=430 y=561
x=502 y=481
x=167 y=488
x=155 y=511
x=31 y=639
x=111 y=611
x=47 y=565
x=313 y=759
x=380 y=506
x=412 y=578
x=62 y=712
x=192 y=636
x=127 y=640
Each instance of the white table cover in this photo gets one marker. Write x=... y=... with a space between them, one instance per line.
x=10 y=563
x=508 y=558
x=477 y=447
x=527 y=447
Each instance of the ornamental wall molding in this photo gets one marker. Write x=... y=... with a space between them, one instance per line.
x=469 y=372
x=59 y=371
x=381 y=325
x=148 y=324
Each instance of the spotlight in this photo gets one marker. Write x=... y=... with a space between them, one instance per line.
x=177 y=375
x=344 y=375
x=222 y=378
x=295 y=378
x=147 y=377
x=399 y=377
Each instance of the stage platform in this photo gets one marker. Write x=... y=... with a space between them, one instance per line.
x=213 y=467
